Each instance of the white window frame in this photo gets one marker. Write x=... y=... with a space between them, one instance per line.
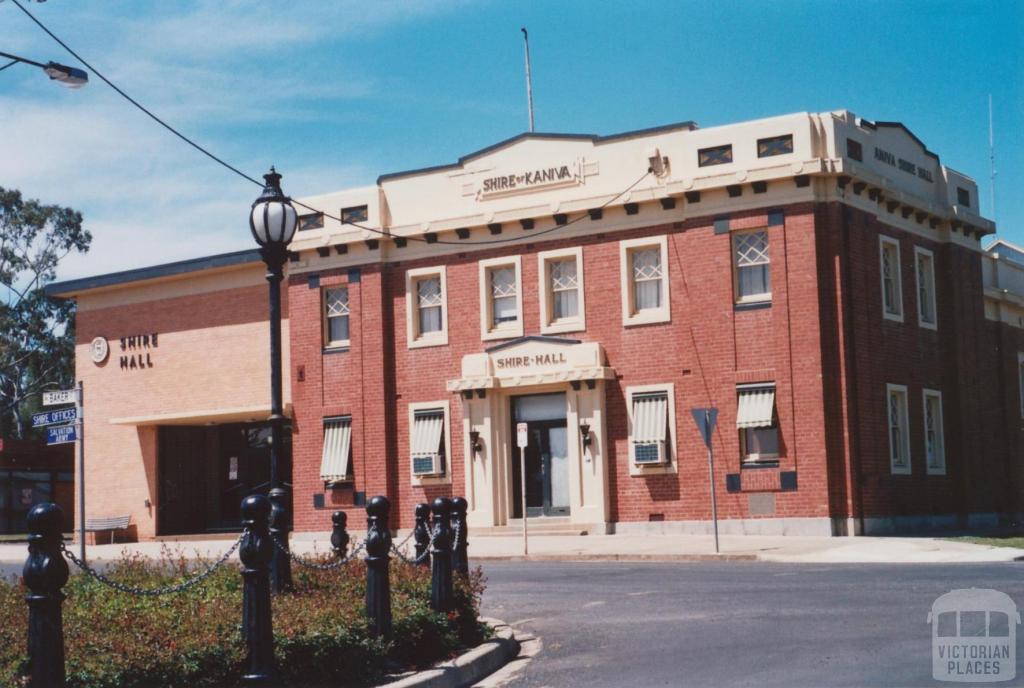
x=939 y=469
x=446 y=477
x=649 y=315
x=893 y=467
x=505 y=330
x=883 y=242
x=414 y=339
x=672 y=465
x=329 y=343
x=933 y=324
x=749 y=460
x=756 y=298
x=547 y=308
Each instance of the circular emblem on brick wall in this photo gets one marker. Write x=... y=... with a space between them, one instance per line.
x=99 y=350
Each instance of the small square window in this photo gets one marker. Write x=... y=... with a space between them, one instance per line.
x=645 y=284
x=757 y=424
x=311 y=221
x=718 y=155
x=336 y=316
x=336 y=458
x=963 y=197
x=429 y=442
x=354 y=214
x=501 y=307
x=892 y=283
x=854 y=150
x=899 y=433
x=776 y=145
x=652 y=429
x=752 y=267
x=426 y=307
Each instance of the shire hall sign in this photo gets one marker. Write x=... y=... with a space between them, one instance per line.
x=518 y=181
x=136 y=351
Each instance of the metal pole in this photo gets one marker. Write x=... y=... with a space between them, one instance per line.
x=280 y=567
x=378 y=581
x=22 y=59
x=522 y=489
x=529 y=79
x=441 y=557
x=79 y=405
x=711 y=473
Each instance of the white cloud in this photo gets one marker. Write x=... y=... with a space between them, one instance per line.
x=214 y=70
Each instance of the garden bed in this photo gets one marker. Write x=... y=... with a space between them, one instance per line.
x=114 y=640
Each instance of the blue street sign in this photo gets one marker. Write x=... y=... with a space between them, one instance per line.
x=62 y=434
x=705 y=419
x=66 y=415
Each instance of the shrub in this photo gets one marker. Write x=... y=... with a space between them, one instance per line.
x=194 y=638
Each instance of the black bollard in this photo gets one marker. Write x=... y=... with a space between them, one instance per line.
x=441 y=580
x=45 y=574
x=421 y=534
x=378 y=580
x=256 y=552
x=280 y=562
x=460 y=546
x=339 y=537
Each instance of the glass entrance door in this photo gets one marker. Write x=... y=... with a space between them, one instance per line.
x=546 y=456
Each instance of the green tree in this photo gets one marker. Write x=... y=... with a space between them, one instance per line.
x=37 y=336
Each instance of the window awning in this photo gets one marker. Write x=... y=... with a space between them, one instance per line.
x=334 y=466
x=426 y=432
x=650 y=418
x=756 y=408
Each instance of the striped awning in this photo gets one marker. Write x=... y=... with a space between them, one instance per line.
x=426 y=432
x=334 y=466
x=650 y=417
x=756 y=408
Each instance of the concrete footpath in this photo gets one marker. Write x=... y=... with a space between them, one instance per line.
x=794 y=549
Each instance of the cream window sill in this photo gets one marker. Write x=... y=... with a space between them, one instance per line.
x=433 y=339
x=895 y=317
x=928 y=325
x=334 y=346
x=508 y=331
x=937 y=470
x=647 y=317
x=427 y=480
x=899 y=470
x=759 y=298
x=563 y=326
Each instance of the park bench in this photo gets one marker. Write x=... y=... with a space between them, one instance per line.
x=111 y=523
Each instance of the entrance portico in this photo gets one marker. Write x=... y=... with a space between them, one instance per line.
x=527 y=379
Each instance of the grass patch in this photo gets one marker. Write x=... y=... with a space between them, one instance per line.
x=992 y=540
x=193 y=639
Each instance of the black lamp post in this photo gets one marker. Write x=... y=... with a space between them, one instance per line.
x=272 y=221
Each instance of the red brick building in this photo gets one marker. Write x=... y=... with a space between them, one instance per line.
x=816 y=278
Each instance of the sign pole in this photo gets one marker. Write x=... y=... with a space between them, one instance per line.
x=711 y=472
x=79 y=401
x=522 y=488
x=522 y=440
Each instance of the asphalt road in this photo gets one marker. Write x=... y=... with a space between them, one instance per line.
x=732 y=623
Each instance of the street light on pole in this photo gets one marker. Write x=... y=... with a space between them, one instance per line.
x=72 y=77
x=272 y=220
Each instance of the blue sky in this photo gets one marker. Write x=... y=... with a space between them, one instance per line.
x=335 y=93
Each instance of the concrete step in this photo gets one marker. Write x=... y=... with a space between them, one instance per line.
x=557 y=525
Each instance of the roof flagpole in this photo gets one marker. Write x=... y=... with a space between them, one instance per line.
x=529 y=81
x=991 y=159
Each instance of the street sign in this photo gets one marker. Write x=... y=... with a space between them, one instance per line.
x=705 y=419
x=521 y=440
x=62 y=434
x=63 y=396
x=57 y=417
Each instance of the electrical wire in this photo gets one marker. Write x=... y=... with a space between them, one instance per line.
x=243 y=175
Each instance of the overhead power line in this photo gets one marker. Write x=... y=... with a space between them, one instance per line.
x=245 y=176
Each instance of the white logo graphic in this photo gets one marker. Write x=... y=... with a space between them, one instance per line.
x=99 y=350
x=974 y=636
